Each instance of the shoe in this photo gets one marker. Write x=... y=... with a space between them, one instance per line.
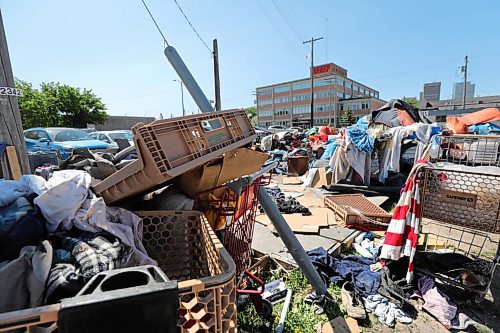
x=353 y=307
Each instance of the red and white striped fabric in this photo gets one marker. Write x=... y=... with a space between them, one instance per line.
x=401 y=237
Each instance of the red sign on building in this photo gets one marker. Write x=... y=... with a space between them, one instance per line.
x=321 y=69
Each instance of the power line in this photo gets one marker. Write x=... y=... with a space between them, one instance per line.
x=287 y=22
x=296 y=18
x=154 y=21
x=287 y=42
x=189 y=22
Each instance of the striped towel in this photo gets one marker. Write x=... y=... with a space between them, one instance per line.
x=401 y=237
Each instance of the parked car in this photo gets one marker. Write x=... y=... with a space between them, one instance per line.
x=110 y=136
x=60 y=139
x=261 y=132
x=300 y=129
x=277 y=128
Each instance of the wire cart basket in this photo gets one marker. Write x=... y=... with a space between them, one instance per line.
x=461 y=207
x=231 y=211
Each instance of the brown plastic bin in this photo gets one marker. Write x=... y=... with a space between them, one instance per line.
x=343 y=205
x=169 y=147
x=297 y=165
x=187 y=250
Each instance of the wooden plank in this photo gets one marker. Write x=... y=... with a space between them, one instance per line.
x=15 y=168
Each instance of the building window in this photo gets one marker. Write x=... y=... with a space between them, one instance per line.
x=282 y=112
x=301 y=109
x=301 y=97
x=301 y=85
x=264 y=92
x=340 y=82
x=355 y=88
x=348 y=96
x=265 y=113
x=281 y=89
x=340 y=94
x=265 y=102
x=282 y=100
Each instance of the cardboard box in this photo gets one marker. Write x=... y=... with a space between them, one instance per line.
x=234 y=164
x=321 y=178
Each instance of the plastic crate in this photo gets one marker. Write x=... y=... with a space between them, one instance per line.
x=465 y=198
x=468 y=149
x=349 y=207
x=169 y=147
x=187 y=250
x=469 y=242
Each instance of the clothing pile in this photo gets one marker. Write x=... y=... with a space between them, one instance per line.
x=98 y=165
x=55 y=235
x=382 y=289
x=286 y=205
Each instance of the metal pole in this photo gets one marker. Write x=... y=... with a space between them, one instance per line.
x=312 y=40
x=185 y=75
x=291 y=242
x=464 y=69
x=216 y=75
x=182 y=97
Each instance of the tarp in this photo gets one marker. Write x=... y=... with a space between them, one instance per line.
x=458 y=125
x=397 y=113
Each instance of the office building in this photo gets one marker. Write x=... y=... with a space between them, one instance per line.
x=458 y=91
x=289 y=103
x=432 y=91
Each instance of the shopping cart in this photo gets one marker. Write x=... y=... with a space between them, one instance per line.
x=231 y=210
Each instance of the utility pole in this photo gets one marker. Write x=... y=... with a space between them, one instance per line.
x=182 y=96
x=312 y=40
x=216 y=75
x=464 y=70
x=11 y=127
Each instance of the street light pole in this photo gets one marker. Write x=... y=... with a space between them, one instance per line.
x=182 y=96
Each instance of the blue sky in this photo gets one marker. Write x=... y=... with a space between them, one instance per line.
x=113 y=48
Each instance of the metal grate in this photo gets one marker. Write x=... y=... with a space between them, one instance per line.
x=467 y=149
x=462 y=198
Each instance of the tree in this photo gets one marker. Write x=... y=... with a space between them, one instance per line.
x=252 y=114
x=347 y=118
x=412 y=101
x=59 y=105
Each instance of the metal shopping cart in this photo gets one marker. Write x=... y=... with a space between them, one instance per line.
x=231 y=210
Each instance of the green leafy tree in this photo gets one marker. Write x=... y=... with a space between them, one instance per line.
x=412 y=101
x=252 y=114
x=347 y=118
x=56 y=104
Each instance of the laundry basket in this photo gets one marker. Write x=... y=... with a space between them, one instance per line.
x=186 y=250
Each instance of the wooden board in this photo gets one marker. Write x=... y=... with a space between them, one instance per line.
x=15 y=168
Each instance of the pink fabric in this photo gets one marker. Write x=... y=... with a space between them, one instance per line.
x=401 y=237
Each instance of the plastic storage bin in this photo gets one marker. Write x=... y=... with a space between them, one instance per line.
x=349 y=207
x=169 y=147
x=297 y=165
x=129 y=300
x=187 y=250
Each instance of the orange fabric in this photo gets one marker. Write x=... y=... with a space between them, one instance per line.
x=459 y=125
x=481 y=117
x=327 y=130
x=404 y=118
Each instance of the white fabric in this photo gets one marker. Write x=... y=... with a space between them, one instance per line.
x=423 y=133
x=66 y=192
x=386 y=311
x=392 y=152
x=11 y=190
